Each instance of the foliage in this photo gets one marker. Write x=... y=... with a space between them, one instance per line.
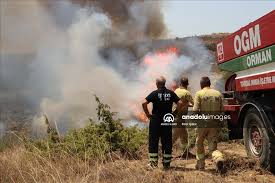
x=96 y=141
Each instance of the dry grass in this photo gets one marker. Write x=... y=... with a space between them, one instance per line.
x=19 y=165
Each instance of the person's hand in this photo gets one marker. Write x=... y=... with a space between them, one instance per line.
x=190 y=104
x=149 y=115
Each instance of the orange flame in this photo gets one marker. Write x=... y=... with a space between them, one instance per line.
x=169 y=50
x=161 y=58
x=138 y=114
x=141 y=117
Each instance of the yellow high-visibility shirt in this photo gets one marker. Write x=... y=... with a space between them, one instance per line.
x=208 y=100
x=186 y=97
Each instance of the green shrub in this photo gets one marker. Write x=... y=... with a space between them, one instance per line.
x=96 y=140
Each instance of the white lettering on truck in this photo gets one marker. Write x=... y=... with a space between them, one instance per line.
x=259 y=58
x=247 y=40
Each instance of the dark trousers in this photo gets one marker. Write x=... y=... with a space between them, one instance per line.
x=164 y=133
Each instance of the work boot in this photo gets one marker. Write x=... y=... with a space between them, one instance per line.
x=220 y=166
x=154 y=164
x=218 y=158
x=166 y=166
x=200 y=165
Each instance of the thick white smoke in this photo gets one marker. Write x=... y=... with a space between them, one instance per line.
x=67 y=69
x=76 y=72
x=2 y=129
x=173 y=66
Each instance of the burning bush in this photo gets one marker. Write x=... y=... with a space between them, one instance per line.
x=96 y=141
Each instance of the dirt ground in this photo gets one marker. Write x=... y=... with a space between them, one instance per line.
x=239 y=169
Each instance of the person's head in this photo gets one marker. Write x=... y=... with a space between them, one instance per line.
x=184 y=81
x=160 y=82
x=205 y=82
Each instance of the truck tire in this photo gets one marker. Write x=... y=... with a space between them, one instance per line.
x=272 y=155
x=258 y=142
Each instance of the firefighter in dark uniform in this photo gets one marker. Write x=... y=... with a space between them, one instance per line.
x=162 y=100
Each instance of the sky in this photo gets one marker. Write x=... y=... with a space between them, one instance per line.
x=188 y=18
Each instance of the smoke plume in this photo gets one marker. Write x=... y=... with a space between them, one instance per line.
x=134 y=19
x=64 y=66
x=2 y=129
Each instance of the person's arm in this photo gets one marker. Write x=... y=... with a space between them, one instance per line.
x=150 y=98
x=145 y=109
x=221 y=105
x=178 y=102
x=190 y=100
x=197 y=103
x=180 y=105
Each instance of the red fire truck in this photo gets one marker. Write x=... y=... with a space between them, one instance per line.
x=249 y=54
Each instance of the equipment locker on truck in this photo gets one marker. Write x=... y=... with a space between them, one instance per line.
x=249 y=54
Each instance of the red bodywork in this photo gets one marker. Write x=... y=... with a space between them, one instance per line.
x=225 y=49
x=257 y=82
x=245 y=90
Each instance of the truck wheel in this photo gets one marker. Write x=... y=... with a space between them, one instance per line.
x=256 y=139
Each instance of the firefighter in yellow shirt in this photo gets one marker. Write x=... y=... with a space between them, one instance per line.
x=180 y=132
x=208 y=101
